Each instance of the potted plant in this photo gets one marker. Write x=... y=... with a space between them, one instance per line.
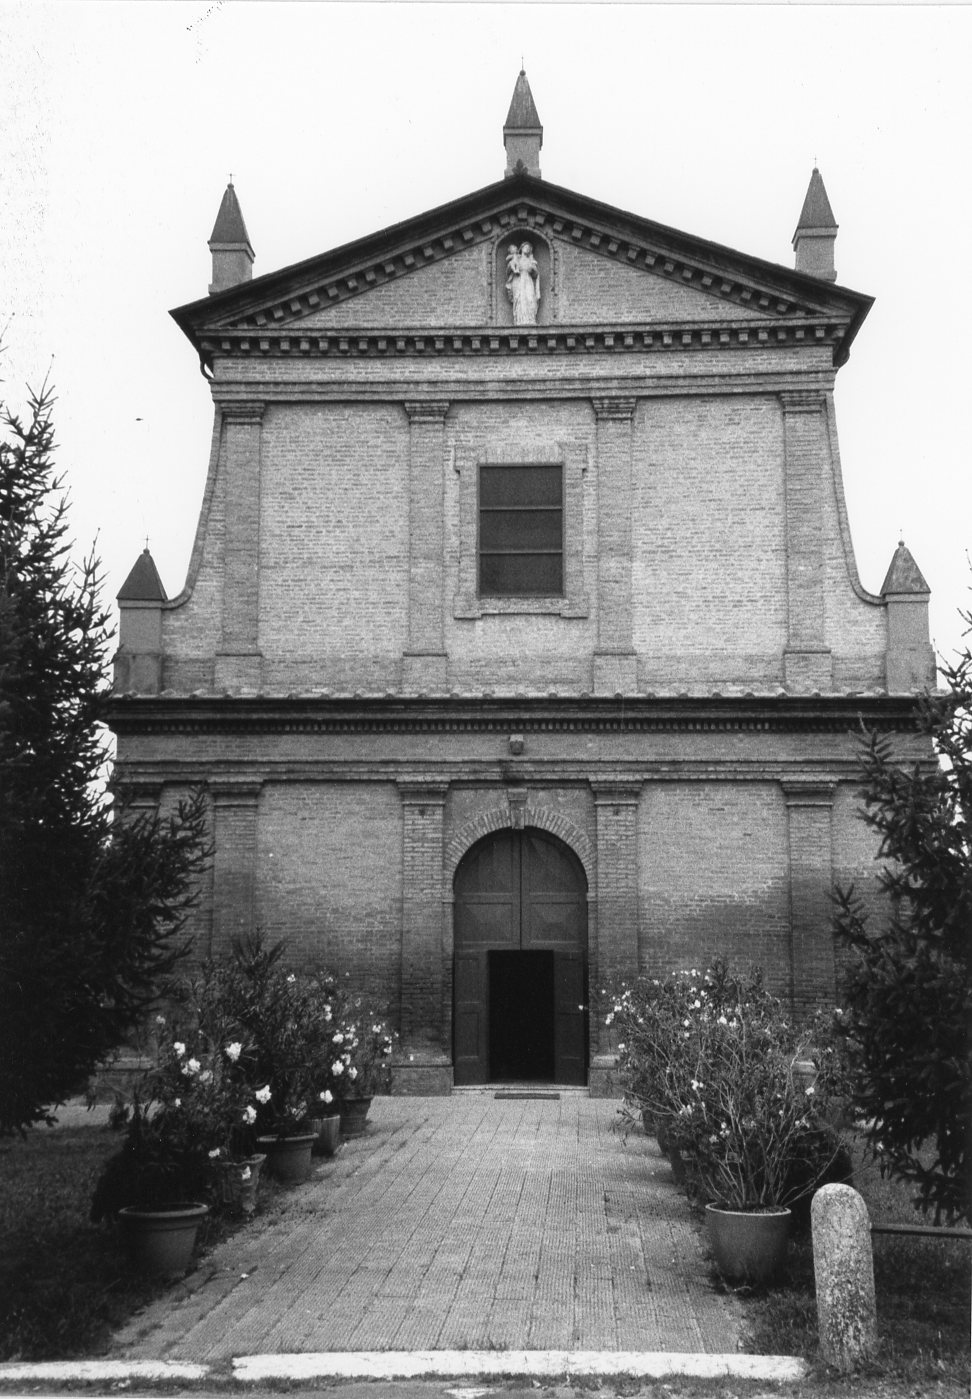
x=329 y=1062
x=155 y=1189
x=254 y=995
x=365 y=1047
x=724 y=1079
x=202 y=1084
x=180 y=1127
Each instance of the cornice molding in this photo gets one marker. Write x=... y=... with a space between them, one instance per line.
x=244 y=411
x=491 y=714
x=619 y=790
x=537 y=777
x=426 y=410
x=614 y=409
x=802 y=401
x=422 y=794
x=235 y=791
x=808 y=791
x=559 y=340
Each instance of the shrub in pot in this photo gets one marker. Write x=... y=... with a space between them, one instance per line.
x=365 y=1045
x=156 y=1189
x=182 y=1128
x=714 y=1055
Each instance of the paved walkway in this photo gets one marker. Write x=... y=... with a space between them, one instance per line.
x=462 y=1222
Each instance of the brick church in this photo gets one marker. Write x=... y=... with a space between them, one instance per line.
x=522 y=639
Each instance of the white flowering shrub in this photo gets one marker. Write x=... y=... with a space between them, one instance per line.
x=708 y=1058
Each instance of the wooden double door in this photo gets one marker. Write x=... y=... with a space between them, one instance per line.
x=520 y=983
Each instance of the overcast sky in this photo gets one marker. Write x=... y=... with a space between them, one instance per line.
x=120 y=123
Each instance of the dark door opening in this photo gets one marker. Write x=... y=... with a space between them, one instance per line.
x=521 y=1017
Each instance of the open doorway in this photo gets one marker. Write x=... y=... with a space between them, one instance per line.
x=521 y=1017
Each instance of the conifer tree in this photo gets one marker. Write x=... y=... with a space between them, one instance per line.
x=907 y=1008
x=91 y=903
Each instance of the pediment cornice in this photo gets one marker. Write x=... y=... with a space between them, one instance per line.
x=274 y=305
x=492 y=341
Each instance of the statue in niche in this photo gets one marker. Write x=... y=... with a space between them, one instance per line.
x=523 y=283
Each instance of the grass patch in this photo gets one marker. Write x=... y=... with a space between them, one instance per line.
x=922 y=1290
x=65 y=1285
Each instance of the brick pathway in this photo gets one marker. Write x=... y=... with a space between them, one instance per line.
x=462 y=1222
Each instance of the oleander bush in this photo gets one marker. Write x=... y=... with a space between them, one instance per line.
x=716 y=1063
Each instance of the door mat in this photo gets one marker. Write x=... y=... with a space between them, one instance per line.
x=526 y=1095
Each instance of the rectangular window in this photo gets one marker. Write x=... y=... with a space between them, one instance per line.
x=521 y=531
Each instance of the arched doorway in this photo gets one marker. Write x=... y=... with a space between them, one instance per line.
x=520 y=983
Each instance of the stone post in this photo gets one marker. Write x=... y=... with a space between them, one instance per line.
x=843 y=1270
x=424 y=662
x=238 y=659
x=615 y=663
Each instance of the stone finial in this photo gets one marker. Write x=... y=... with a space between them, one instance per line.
x=230 y=245
x=904 y=575
x=910 y=657
x=143 y=584
x=816 y=232
x=843 y=1270
x=138 y=661
x=522 y=132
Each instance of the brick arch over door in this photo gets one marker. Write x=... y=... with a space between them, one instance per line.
x=497 y=818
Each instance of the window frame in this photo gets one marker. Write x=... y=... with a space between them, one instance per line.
x=468 y=602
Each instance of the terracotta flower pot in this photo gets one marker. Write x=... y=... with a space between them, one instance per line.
x=354 y=1115
x=748 y=1245
x=160 y=1242
x=328 y=1131
x=238 y=1183
x=250 y=1182
x=289 y=1158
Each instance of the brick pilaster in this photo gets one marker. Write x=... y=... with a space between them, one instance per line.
x=234 y=816
x=238 y=658
x=616 y=815
x=423 y=1014
x=809 y=813
x=424 y=661
x=806 y=659
x=615 y=665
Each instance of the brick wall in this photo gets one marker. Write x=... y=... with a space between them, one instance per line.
x=452 y=292
x=709 y=565
x=334 y=545
x=329 y=877
x=713 y=866
x=594 y=288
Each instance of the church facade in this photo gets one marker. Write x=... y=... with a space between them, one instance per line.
x=522 y=643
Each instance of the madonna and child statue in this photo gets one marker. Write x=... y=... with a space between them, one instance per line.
x=523 y=283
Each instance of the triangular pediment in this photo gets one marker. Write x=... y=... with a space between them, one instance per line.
x=445 y=270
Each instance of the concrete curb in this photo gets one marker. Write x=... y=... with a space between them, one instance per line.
x=400 y=1365
x=92 y=1371
x=457 y=1364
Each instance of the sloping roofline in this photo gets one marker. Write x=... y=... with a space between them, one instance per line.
x=208 y=312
